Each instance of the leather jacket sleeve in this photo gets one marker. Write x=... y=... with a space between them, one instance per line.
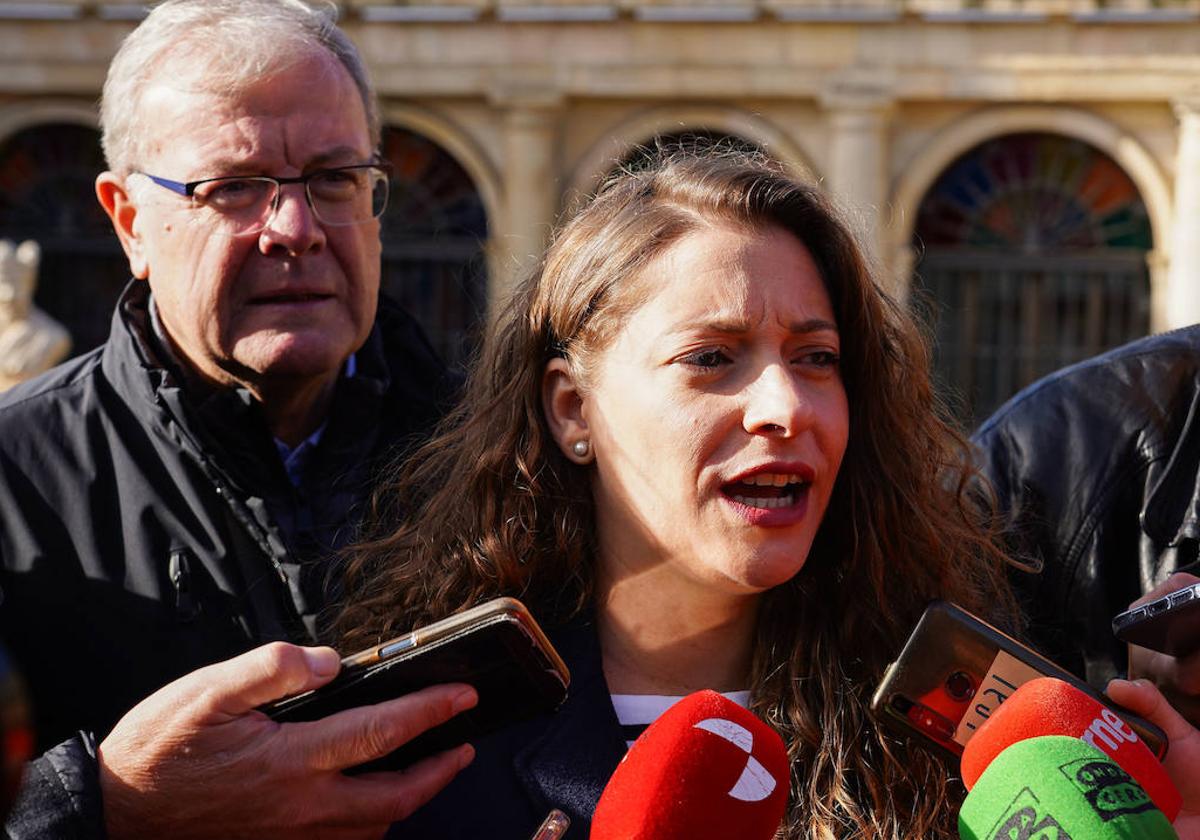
x=60 y=797
x=1096 y=473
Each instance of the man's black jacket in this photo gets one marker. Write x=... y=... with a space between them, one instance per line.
x=1097 y=468
x=145 y=532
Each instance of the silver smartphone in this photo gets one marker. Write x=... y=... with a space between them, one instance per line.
x=953 y=672
x=1170 y=624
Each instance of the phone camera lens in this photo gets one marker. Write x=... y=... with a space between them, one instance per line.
x=960 y=686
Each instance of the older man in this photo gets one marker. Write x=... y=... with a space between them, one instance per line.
x=171 y=500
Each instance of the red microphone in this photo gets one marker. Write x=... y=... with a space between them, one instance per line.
x=1049 y=706
x=707 y=768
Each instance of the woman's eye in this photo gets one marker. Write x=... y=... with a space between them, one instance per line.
x=821 y=358
x=705 y=358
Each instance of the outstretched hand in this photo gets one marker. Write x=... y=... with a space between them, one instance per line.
x=195 y=759
x=1177 y=677
x=1182 y=763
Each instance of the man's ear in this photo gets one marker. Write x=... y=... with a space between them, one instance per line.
x=121 y=209
x=562 y=402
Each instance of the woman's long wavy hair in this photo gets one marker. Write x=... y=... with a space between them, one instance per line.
x=491 y=506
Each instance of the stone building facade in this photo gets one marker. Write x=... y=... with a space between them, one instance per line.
x=1030 y=169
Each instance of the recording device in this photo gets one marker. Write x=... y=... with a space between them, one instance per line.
x=1170 y=624
x=1059 y=786
x=956 y=669
x=1047 y=706
x=496 y=647
x=707 y=768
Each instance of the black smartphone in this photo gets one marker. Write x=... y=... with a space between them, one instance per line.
x=1170 y=624
x=496 y=647
x=953 y=672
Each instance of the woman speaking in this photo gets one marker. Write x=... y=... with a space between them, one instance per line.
x=702 y=446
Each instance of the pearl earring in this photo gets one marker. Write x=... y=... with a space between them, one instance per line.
x=581 y=448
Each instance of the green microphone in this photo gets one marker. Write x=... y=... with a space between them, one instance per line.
x=1055 y=787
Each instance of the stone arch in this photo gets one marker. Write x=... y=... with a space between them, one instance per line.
x=19 y=116
x=457 y=143
x=436 y=232
x=948 y=145
x=1033 y=252
x=618 y=142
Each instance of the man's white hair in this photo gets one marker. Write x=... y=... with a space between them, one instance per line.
x=225 y=45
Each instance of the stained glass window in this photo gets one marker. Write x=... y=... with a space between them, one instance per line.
x=1031 y=249
x=434 y=232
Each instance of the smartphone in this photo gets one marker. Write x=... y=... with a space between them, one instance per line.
x=1170 y=624
x=496 y=647
x=953 y=672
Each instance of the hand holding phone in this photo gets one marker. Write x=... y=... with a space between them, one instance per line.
x=1184 y=757
x=1163 y=631
x=195 y=755
x=1167 y=622
x=956 y=669
x=497 y=647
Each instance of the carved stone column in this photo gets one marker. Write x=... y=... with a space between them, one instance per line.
x=1182 y=295
x=531 y=179
x=859 y=115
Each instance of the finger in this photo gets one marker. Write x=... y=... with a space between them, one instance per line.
x=1181 y=674
x=236 y=686
x=355 y=736
x=390 y=797
x=1187 y=674
x=1144 y=662
x=1144 y=699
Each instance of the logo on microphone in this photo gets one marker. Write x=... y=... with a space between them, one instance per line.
x=755 y=783
x=1110 y=730
x=1108 y=789
x=1027 y=818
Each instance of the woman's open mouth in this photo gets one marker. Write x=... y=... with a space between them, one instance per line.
x=767 y=491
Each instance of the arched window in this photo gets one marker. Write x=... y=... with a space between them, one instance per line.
x=47 y=193
x=434 y=232
x=1032 y=249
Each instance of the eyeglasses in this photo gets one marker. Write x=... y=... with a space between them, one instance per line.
x=245 y=204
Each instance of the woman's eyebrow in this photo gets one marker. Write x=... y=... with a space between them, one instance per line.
x=812 y=325
x=734 y=326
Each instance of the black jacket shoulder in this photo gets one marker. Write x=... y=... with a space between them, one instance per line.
x=1096 y=469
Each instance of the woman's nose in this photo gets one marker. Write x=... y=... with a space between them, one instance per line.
x=776 y=404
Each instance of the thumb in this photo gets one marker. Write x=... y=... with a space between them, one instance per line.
x=239 y=685
x=1143 y=698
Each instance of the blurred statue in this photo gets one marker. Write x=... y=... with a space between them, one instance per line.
x=30 y=340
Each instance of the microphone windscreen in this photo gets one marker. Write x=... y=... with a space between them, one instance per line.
x=1059 y=786
x=1049 y=706
x=707 y=768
